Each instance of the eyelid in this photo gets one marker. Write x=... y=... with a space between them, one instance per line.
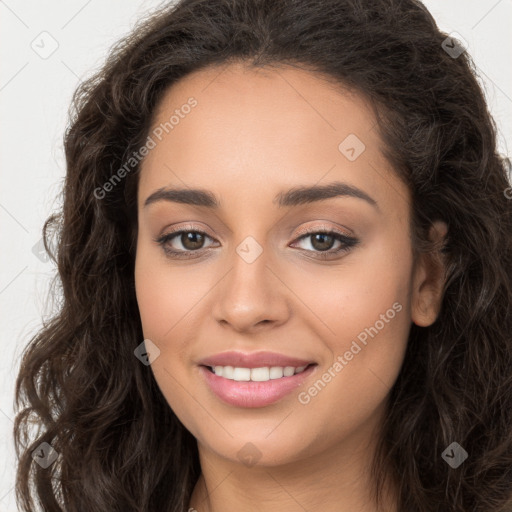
x=186 y=227
x=323 y=228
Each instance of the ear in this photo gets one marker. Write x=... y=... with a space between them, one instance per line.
x=428 y=280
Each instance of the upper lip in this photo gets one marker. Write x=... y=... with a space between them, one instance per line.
x=253 y=360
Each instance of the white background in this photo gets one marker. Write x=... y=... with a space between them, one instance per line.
x=35 y=94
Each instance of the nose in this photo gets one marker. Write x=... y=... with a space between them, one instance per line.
x=251 y=296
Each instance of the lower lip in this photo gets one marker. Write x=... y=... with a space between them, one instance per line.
x=254 y=394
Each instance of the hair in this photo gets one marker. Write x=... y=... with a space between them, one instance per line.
x=120 y=446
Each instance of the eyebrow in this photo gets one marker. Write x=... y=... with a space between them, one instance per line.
x=293 y=197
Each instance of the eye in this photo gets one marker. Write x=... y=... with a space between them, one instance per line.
x=322 y=242
x=190 y=241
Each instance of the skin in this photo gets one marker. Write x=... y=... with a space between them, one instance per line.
x=252 y=135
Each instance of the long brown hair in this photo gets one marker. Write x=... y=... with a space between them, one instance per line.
x=81 y=389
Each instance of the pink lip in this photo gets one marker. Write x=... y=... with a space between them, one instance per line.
x=254 y=360
x=251 y=394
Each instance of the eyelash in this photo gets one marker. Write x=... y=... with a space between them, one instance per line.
x=346 y=241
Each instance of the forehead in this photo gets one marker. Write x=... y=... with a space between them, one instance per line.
x=264 y=129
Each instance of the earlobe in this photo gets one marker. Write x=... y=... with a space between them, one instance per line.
x=429 y=279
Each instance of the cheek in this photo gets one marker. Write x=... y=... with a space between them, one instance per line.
x=156 y=299
x=162 y=310
x=166 y=294
x=164 y=299
x=362 y=310
x=364 y=314
x=172 y=301
x=345 y=299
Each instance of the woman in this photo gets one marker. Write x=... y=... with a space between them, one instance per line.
x=285 y=253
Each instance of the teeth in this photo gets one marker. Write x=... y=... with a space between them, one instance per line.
x=241 y=373
x=227 y=371
x=260 y=374
x=288 y=371
x=276 y=372
x=256 y=374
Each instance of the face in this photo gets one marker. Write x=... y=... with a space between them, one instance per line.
x=263 y=273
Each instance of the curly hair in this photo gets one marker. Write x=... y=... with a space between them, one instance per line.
x=120 y=446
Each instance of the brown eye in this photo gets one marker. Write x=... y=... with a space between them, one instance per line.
x=192 y=240
x=183 y=243
x=322 y=241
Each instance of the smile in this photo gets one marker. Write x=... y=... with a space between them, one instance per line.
x=254 y=387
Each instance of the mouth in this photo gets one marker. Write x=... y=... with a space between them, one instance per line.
x=254 y=387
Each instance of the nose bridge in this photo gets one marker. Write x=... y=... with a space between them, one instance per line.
x=248 y=279
x=248 y=296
